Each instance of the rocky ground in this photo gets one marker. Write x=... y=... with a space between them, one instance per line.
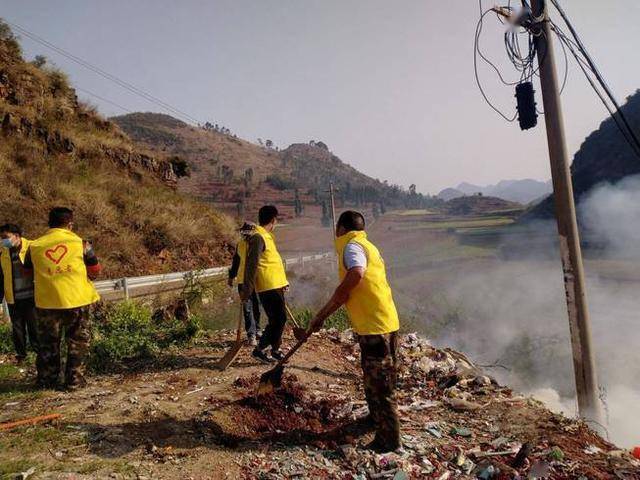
x=181 y=418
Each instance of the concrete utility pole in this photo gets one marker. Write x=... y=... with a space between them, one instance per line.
x=333 y=211
x=579 y=324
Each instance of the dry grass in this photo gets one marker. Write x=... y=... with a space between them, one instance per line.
x=138 y=222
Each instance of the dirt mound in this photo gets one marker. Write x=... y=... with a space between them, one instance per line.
x=291 y=413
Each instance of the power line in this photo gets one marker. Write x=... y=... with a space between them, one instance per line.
x=113 y=78
x=629 y=134
x=104 y=99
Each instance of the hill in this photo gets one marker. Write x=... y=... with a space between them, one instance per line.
x=604 y=156
x=521 y=191
x=55 y=150
x=239 y=175
x=478 y=204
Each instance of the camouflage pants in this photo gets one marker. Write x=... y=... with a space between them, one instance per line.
x=379 y=365
x=51 y=323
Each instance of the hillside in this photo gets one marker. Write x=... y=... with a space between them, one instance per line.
x=237 y=174
x=55 y=150
x=604 y=156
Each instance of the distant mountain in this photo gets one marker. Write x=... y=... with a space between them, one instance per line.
x=519 y=191
x=450 y=193
x=604 y=156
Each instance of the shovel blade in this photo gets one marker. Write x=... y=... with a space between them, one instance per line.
x=229 y=357
x=270 y=380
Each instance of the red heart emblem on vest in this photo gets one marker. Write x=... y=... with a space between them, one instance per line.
x=56 y=254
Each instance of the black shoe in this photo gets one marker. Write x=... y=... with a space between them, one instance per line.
x=277 y=354
x=379 y=446
x=260 y=355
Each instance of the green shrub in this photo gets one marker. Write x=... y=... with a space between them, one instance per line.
x=339 y=320
x=126 y=332
x=6 y=344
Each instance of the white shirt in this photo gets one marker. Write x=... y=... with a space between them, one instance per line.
x=354 y=256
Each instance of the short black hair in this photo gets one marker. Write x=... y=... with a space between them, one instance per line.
x=11 y=228
x=266 y=214
x=351 y=220
x=60 y=217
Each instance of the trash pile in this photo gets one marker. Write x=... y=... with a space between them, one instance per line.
x=457 y=422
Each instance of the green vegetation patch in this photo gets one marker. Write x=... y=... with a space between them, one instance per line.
x=127 y=332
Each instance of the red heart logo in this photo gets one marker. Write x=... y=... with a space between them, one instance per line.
x=56 y=254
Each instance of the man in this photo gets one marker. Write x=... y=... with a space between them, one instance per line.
x=17 y=289
x=63 y=265
x=366 y=293
x=251 y=307
x=265 y=273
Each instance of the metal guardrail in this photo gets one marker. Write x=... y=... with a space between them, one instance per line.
x=127 y=284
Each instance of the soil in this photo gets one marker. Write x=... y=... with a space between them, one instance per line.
x=181 y=418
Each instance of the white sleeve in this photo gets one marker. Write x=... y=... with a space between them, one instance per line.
x=354 y=256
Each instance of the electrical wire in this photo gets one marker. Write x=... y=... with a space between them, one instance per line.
x=587 y=65
x=106 y=100
x=476 y=52
x=113 y=78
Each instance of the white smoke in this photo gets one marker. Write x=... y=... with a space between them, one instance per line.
x=513 y=313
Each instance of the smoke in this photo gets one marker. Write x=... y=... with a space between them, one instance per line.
x=510 y=314
x=610 y=215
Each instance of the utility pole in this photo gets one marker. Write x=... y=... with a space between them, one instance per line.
x=333 y=210
x=570 y=252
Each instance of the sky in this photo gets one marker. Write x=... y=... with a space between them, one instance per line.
x=388 y=86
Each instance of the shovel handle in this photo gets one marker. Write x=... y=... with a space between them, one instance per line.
x=239 y=331
x=293 y=319
x=292 y=351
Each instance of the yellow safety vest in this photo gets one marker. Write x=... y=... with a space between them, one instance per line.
x=370 y=305
x=7 y=268
x=271 y=273
x=60 y=275
x=241 y=250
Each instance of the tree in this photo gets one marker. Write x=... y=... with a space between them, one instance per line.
x=298 y=208
x=39 y=61
x=260 y=142
x=326 y=221
x=268 y=143
x=322 y=145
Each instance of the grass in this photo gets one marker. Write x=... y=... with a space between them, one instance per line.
x=457 y=224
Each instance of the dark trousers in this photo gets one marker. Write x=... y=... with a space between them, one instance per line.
x=51 y=323
x=251 y=313
x=23 y=323
x=274 y=306
x=378 y=357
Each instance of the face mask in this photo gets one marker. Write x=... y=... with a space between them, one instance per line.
x=7 y=243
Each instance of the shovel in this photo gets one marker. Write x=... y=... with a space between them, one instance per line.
x=272 y=379
x=298 y=332
x=231 y=355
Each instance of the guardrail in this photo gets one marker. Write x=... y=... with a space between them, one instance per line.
x=127 y=284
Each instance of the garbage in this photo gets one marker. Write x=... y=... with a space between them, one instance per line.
x=636 y=452
x=460 y=431
x=592 y=450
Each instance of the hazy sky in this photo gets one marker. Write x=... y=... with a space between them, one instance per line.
x=389 y=86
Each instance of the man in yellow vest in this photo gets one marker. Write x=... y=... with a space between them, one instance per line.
x=264 y=272
x=251 y=307
x=366 y=293
x=63 y=266
x=16 y=287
